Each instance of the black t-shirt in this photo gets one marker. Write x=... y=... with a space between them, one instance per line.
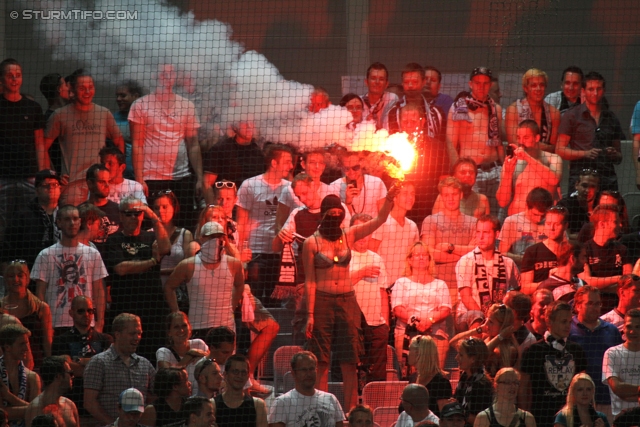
x=632 y=242
x=607 y=260
x=439 y=388
x=138 y=293
x=550 y=372
x=539 y=259
x=18 y=122
x=234 y=162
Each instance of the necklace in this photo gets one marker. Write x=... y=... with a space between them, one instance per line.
x=335 y=256
x=364 y=198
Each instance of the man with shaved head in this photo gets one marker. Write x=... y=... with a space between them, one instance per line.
x=415 y=401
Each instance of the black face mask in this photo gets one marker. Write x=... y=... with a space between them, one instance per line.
x=330 y=226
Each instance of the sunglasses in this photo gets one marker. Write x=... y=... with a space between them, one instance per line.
x=132 y=213
x=558 y=209
x=18 y=261
x=355 y=168
x=589 y=172
x=163 y=192
x=83 y=311
x=225 y=184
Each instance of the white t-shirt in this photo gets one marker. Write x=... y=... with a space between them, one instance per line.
x=395 y=242
x=163 y=354
x=624 y=364
x=296 y=410
x=260 y=200
x=126 y=188
x=289 y=199
x=466 y=276
x=404 y=420
x=68 y=272
x=165 y=150
x=368 y=289
x=365 y=202
x=421 y=300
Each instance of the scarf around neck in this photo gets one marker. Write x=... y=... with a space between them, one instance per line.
x=490 y=293
x=525 y=113
x=465 y=102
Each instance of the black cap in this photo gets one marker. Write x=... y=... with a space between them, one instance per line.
x=451 y=409
x=45 y=174
x=481 y=71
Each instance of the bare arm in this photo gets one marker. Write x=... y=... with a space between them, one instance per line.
x=308 y=250
x=238 y=282
x=360 y=231
x=549 y=175
x=563 y=150
x=98 y=292
x=134 y=267
x=261 y=412
x=511 y=123
x=466 y=296
x=599 y=282
x=195 y=158
x=482 y=420
x=41 y=289
x=281 y=216
x=148 y=417
x=453 y=139
x=33 y=384
x=625 y=391
x=47 y=328
x=207 y=187
x=92 y=406
x=182 y=273
x=505 y=189
x=138 y=134
x=527 y=283
x=42 y=155
x=243 y=224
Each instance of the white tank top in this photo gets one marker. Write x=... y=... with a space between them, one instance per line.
x=210 y=296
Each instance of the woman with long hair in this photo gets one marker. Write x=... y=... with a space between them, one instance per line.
x=474 y=389
x=504 y=411
x=421 y=302
x=423 y=356
x=181 y=351
x=580 y=408
x=167 y=207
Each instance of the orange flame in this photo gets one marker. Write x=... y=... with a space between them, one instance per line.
x=400 y=148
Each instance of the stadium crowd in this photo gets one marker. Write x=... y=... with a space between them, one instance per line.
x=112 y=224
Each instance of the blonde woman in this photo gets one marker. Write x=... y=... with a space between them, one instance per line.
x=504 y=412
x=423 y=356
x=580 y=408
x=421 y=300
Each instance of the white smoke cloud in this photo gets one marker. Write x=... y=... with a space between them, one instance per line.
x=225 y=82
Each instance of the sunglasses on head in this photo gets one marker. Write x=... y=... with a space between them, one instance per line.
x=225 y=184
x=163 y=192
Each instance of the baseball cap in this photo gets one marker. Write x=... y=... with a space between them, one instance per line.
x=451 y=409
x=211 y=228
x=131 y=400
x=44 y=174
x=481 y=71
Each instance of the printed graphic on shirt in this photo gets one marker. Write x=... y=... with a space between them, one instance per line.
x=72 y=278
x=560 y=371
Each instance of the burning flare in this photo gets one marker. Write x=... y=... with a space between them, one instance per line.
x=400 y=148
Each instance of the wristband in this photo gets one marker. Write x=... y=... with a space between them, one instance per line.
x=155 y=261
x=451 y=248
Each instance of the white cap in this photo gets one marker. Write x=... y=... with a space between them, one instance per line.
x=211 y=228
x=131 y=400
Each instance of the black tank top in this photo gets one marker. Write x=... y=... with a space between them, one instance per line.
x=165 y=416
x=494 y=422
x=243 y=415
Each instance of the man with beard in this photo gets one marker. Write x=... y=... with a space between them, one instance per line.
x=67 y=269
x=474 y=204
x=57 y=379
x=98 y=185
x=304 y=405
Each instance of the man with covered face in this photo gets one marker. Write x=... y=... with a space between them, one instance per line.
x=215 y=282
x=333 y=311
